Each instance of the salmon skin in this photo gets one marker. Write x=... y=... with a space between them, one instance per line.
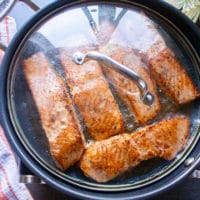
x=92 y=95
x=56 y=112
x=126 y=88
x=104 y=160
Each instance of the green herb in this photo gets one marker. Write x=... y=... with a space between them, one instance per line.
x=191 y=8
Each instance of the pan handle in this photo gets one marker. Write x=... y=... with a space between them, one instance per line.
x=30 y=179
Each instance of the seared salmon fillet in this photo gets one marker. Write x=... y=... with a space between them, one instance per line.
x=126 y=88
x=172 y=77
x=55 y=108
x=92 y=95
x=104 y=160
x=167 y=70
x=142 y=34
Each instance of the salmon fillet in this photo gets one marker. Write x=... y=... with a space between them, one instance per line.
x=140 y=33
x=55 y=107
x=104 y=160
x=172 y=77
x=92 y=95
x=126 y=88
x=167 y=71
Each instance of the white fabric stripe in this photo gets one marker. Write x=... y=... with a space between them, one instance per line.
x=4 y=140
x=5 y=188
x=10 y=168
x=3 y=34
x=8 y=172
x=11 y=27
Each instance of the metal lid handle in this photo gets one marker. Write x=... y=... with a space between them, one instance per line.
x=146 y=96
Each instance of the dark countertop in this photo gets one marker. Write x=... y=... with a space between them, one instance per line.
x=189 y=189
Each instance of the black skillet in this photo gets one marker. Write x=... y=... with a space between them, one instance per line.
x=20 y=119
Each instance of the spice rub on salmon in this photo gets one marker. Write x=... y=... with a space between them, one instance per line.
x=106 y=159
x=168 y=72
x=91 y=93
x=56 y=112
x=126 y=88
x=172 y=77
x=146 y=37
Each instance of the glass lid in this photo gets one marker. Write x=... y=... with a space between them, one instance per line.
x=105 y=96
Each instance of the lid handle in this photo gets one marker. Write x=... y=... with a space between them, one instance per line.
x=146 y=96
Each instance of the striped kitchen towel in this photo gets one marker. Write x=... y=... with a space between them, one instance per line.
x=10 y=188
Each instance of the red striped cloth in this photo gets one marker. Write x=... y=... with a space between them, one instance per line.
x=10 y=188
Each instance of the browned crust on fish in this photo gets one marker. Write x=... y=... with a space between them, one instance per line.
x=55 y=107
x=172 y=77
x=91 y=94
x=104 y=160
x=126 y=88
